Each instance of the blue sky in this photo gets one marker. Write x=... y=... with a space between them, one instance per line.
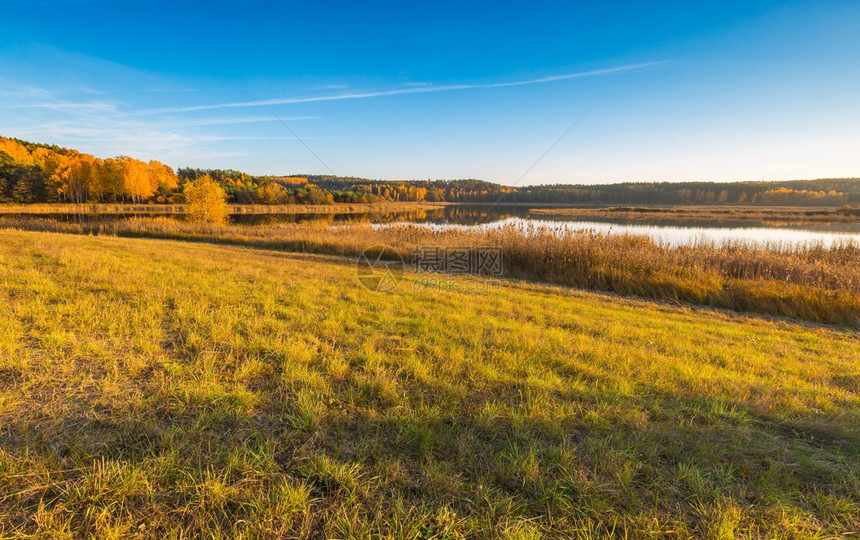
x=674 y=90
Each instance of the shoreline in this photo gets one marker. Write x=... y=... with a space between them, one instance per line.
x=711 y=213
x=235 y=209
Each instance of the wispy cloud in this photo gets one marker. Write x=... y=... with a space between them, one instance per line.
x=110 y=123
x=219 y=138
x=235 y=120
x=14 y=96
x=91 y=106
x=108 y=133
x=87 y=110
x=9 y=91
x=401 y=91
x=165 y=90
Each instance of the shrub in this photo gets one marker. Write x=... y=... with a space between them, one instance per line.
x=207 y=201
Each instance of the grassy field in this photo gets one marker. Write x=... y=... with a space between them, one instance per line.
x=152 y=388
x=808 y=282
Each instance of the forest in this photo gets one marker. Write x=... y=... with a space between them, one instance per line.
x=42 y=173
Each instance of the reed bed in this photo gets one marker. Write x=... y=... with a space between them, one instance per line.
x=811 y=282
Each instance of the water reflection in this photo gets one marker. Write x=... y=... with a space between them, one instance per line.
x=691 y=233
x=669 y=232
x=449 y=215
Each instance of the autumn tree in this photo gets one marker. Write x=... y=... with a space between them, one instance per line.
x=318 y=196
x=110 y=180
x=138 y=181
x=49 y=163
x=272 y=193
x=165 y=179
x=15 y=150
x=75 y=176
x=206 y=200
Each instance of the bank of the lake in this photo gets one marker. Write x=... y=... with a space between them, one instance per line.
x=234 y=209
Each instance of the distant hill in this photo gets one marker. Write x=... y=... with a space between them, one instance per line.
x=34 y=172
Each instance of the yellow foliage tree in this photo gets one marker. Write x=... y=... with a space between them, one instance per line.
x=207 y=201
x=48 y=160
x=74 y=177
x=138 y=180
x=164 y=176
x=110 y=179
x=272 y=193
x=15 y=150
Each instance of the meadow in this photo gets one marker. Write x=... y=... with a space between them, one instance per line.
x=154 y=388
x=809 y=282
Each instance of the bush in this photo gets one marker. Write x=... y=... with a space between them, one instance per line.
x=207 y=201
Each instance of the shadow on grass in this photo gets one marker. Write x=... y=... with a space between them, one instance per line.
x=492 y=460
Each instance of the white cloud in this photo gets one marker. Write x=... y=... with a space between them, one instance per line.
x=402 y=91
x=237 y=120
x=93 y=106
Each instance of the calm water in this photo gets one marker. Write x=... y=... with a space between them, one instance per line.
x=679 y=232
x=691 y=232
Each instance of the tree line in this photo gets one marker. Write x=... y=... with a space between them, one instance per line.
x=32 y=172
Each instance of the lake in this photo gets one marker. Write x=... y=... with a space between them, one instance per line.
x=692 y=232
x=670 y=232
